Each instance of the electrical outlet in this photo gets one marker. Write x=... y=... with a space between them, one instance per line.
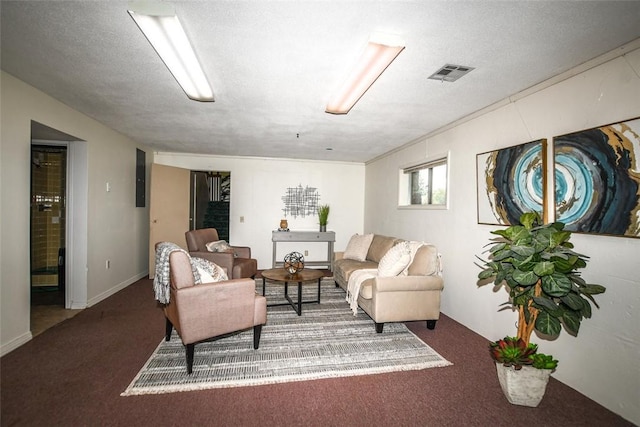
x=107 y=264
x=306 y=253
x=241 y=219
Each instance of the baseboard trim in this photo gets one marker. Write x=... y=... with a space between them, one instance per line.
x=120 y=286
x=26 y=337
x=15 y=343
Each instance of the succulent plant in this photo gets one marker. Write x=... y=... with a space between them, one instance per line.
x=513 y=351
x=544 y=361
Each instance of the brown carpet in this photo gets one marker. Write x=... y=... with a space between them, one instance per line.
x=73 y=374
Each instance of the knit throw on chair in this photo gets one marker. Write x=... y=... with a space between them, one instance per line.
x=161 y=281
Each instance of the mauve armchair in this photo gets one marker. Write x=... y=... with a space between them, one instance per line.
x=208 y=310
x=238 y=264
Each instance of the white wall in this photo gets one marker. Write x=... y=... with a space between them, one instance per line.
x=257 y=187
x=602 y=362
x=117 y=230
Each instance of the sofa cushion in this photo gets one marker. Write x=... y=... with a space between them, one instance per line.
x=358 y=247
x=380 y=245
x=425 y=262
x=395 y=260
x=344 y=267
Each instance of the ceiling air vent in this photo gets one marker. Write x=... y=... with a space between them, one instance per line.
x=450 y=73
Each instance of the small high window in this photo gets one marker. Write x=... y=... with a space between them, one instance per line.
x=424 y=184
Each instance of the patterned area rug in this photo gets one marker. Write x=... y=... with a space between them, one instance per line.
x=326 y=341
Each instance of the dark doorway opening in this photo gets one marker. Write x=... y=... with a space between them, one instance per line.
x=48 y=224
x=210 y=199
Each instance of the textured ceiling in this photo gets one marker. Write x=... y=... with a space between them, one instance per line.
x=274 y=64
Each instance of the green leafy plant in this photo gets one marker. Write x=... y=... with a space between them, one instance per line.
x=537 y=264
x=323 y=214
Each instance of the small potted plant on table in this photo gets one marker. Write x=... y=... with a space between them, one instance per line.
x=323 y=216
x=537 y=265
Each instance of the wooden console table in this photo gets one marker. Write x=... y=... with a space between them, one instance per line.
x=305 y=236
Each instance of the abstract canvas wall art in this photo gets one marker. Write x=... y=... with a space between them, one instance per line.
x=511 y=181
x=597 y=179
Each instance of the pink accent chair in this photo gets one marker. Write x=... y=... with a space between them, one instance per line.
x=238 y=264
x=208 y=310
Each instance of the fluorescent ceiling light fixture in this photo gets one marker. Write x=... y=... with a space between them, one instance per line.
x=166 y=35
x=380 y=52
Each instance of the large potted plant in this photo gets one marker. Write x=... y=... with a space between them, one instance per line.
x=537 y=265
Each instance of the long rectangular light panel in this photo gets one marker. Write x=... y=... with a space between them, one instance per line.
x=168 y=38
x=377 y=56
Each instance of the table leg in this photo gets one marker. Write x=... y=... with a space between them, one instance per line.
x=263 y=286
x=319 y=281
x=299 y=298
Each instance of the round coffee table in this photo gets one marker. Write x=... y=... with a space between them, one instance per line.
x=283 y=276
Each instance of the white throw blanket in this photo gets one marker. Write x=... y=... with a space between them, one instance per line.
x=354 y=284
x=161 y=279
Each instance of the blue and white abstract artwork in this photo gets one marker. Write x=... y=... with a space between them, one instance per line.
x=597 y=179
x=511 y=181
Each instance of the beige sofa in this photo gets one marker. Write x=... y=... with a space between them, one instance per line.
x=411 y=297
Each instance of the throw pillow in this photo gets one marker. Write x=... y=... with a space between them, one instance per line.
x=426 y=262
x=219 y=246
x=209 y=271
x=395 y=260
x=205 y=277
x=413 y=246
x=358 y=247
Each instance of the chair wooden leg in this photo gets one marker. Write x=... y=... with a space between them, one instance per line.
x=257 y=330
x=431 y=324
x=190 y=348
x=167 y=329
x=379 y=327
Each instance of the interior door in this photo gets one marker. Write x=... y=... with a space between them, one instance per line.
x=168 y=208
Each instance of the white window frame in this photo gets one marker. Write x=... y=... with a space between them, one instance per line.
x=404 y=182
